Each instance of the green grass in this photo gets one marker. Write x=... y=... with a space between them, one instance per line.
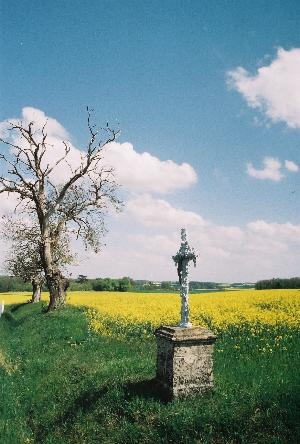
x=62 y=383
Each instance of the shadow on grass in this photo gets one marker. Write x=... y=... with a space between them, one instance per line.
x=16 y=307
x=84 y=403
x=10 y=320
x=10 y=315
x=147 y=389
x=87 y=401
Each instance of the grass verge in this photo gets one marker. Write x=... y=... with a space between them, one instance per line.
x=63 y=383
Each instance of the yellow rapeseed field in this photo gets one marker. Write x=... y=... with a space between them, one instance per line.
x=110 y=311
x=217 y=310
x=15 y=298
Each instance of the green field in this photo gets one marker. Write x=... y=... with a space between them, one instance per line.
x=61 y=382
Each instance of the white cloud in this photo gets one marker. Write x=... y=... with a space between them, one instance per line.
x=275 y=89
x=152 y=212
x=271 y=170
x=291 y=166
x=226 y=253
x=134 y=171
x=148 y=233
x=285 y=231
x=53 y=127
x=258 y=250
x=56 y=135
x=142 y=172
x=39 y=118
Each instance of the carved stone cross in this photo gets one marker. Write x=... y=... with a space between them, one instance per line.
x=182 y=258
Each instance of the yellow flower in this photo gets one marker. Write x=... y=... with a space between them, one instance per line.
x=113 y=313
x=219 y=311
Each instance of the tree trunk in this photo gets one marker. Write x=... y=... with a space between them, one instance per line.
x=56 y=282
x=36 y=291
x=57 y=285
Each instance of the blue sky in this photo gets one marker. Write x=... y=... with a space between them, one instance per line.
x=162 y=70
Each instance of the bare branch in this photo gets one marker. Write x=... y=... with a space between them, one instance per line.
x=67 y=150
x=77 y=205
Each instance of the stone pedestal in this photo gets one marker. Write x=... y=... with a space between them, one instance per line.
x=184 y=360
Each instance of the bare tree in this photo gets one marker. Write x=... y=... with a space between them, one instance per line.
x=24 y=259
x=79 y=203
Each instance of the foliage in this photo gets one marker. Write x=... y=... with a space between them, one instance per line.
x=278 y=283
x=200 y=285
x=140 y=286
x=11 y=283
x=64 y=383
x=80 y=286
x=104 y=284
x=166 y=285
x=24 y=258
x=125 y=284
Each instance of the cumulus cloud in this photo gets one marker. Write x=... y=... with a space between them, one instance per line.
x=153 y=212
x=56 y=136
x=53 y=127
x=291 y=166
x=274 y=89
x=39 y=118
x=148 y=233
x=285 y=231
x=137 y=172
x=271 y=170
x=143 y=172
x=255 y=251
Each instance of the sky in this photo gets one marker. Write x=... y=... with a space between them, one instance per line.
x=207 y=97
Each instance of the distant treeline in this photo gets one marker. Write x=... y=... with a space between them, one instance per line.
x=278 y=283
x=82 y=283
x=101 y=284
x=12 y=283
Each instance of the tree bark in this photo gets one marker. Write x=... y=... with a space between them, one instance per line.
x=56 y=282
x=36 y=291
x=57 y=285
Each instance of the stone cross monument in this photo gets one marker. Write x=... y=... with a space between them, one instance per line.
x=184 y=363
x=182 y=258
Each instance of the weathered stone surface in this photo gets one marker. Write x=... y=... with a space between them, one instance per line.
x=182 y=258
x=184 y=359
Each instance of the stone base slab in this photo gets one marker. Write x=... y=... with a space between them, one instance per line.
x=184 y=359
